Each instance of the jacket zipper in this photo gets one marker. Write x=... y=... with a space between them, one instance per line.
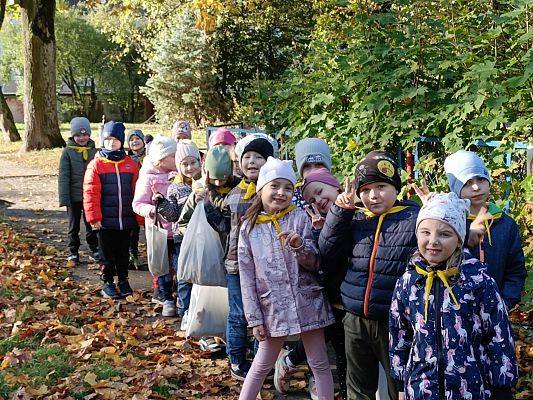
x=371 y=270
x=119 y=196
x=438 y=337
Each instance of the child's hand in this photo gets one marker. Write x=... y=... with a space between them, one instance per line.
x=401 y=396
x=96 y=226
x=316 y=218
x=259 y=332
x=477 y=227
x=422 y=191
x=347 y=198
x=292 y=238
x=201 y=195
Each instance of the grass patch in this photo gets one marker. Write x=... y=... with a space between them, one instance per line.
x=80 y=395
x=167 y=390
x=8 y=344
x=105 y=371
x=19 y=294
x=5 y=389
x=48 y=365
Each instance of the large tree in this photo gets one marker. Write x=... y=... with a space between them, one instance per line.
x=7 y=124
x=40 y=101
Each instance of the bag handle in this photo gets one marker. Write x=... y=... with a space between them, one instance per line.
x=157 y=221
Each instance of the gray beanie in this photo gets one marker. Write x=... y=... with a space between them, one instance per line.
x=80 y=125
x=462 y=166
x=135 y=132
x=312 y=150
x=161 y=147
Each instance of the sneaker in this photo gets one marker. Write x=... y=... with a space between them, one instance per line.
x=282 y=372
x=169 y=309
x=240 y=372
x=210 y=344
x=157 y=298
x=72 y=261
x=312 y=388
x=125 y=288
x=95 y=256
x=109 y=291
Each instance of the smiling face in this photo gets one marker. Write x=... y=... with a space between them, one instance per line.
x=437 y=241
x=251 y=162
x=112 y=144
x=321 y=194
x=378 y=197
x=277 y=195
x=190 y=167
x=81 y=138
x=135 y=143
x=477 y=190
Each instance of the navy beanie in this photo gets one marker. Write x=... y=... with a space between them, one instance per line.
x=115 y=129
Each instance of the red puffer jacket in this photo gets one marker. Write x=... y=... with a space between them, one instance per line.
x=108 y=189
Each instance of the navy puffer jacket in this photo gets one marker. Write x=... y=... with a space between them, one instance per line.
x=374 y=268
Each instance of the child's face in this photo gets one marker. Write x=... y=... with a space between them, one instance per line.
x=378 y=197
x=111 y=143
x=81 y=138
x=477 y=190
x=251 y=162
x=167 y=164
x=277 y=195
x=310 y=167
x=321 y=194
x=189 y=167
x=436 y=240
x=136 y=144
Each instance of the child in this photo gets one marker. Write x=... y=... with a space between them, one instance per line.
x=137 y=153
x=147 y=141
x=189 y=169
x=450 y=337
x=228 y=220
x=153 y=179
x=181 y=130
x=500 y=247
x=79 y=152
x=224 y=137
x=378 y=242
x=320 y=190
x=280 y=294
x=107 y=196
x=310 y=153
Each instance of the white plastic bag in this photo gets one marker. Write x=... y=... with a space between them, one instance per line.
x=201 y=258
x=156 y=246
x=207 y=313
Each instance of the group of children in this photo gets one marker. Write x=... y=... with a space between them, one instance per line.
x=423 y=291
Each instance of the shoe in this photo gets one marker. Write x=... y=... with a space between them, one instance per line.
x=109 y=291
x=95 y=256
x=282 y=372
x=240 y=372
x=157 y=298
x=73 y=260
x=125 y=288
x=210 y=344
x=169 y=309
x=312 y=388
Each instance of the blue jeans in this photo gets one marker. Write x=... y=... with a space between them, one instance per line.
x=183 y=288
x=236 y=332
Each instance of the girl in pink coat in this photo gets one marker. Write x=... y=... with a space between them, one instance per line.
x=153 y=179
x=277 y=265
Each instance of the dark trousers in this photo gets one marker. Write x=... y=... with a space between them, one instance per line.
x=75 y=213
x=114 y=254
x=134 y=241
x=367 y=345
x=166 y=282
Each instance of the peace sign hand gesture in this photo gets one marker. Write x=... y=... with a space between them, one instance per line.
x=422 y=191
x=316 y=218
x=348 y=198
x=477 y=227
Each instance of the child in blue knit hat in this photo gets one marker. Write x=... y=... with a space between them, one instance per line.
x=499 y=245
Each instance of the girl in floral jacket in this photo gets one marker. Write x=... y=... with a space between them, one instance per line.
x=450 y=337
x=277 y=264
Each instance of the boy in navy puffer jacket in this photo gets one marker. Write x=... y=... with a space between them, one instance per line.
x=450 y=337
x=108 y=190
x=378 y=242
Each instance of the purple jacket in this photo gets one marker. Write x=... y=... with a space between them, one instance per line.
x=279 y=286
x=142 y=201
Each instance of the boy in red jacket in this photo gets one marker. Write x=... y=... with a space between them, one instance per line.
x=108 y=190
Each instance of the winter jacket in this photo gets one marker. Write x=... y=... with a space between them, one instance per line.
x=375 y=265
x=108 y=189
x=150 y=177
x=501 y=251
x=138 y=157
x=278 y=284
x=170 y=208
x=72 y=168
x=457 y=352
x=228 y=220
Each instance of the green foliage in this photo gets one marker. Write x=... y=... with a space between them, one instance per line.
x=8 y=344
x=11 y=65
x=104 y=370
x=47 y=366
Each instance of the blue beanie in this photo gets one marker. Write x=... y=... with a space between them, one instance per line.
x=115 y=129
x=312 y=151
x=80 y=125
x=462 y=166
x=135 y=132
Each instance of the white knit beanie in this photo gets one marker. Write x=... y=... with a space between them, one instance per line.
x=161 y=147
x=186 y=148
x=275 y=169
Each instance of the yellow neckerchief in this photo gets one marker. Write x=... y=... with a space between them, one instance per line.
x=84 y=150
x=495 y=213
x=249 y=187
x=274 y=218
x=180 y=179
x=443 y=276
x=223 y=190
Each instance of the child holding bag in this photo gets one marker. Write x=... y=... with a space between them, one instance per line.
x=450 y=336
x=277 y=265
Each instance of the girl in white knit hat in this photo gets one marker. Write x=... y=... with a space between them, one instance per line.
x=277 y=265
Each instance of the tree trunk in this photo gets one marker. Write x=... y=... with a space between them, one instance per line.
x=7 y=125
x=40 y=101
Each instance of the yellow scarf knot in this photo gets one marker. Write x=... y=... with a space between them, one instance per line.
x=84 y=150
x=274 y=218
x=249 y=187
x=443 y=276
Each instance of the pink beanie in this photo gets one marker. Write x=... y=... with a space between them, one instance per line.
x=186 y=148
x=222 y=136
x=181 y=128
x=322 y=175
